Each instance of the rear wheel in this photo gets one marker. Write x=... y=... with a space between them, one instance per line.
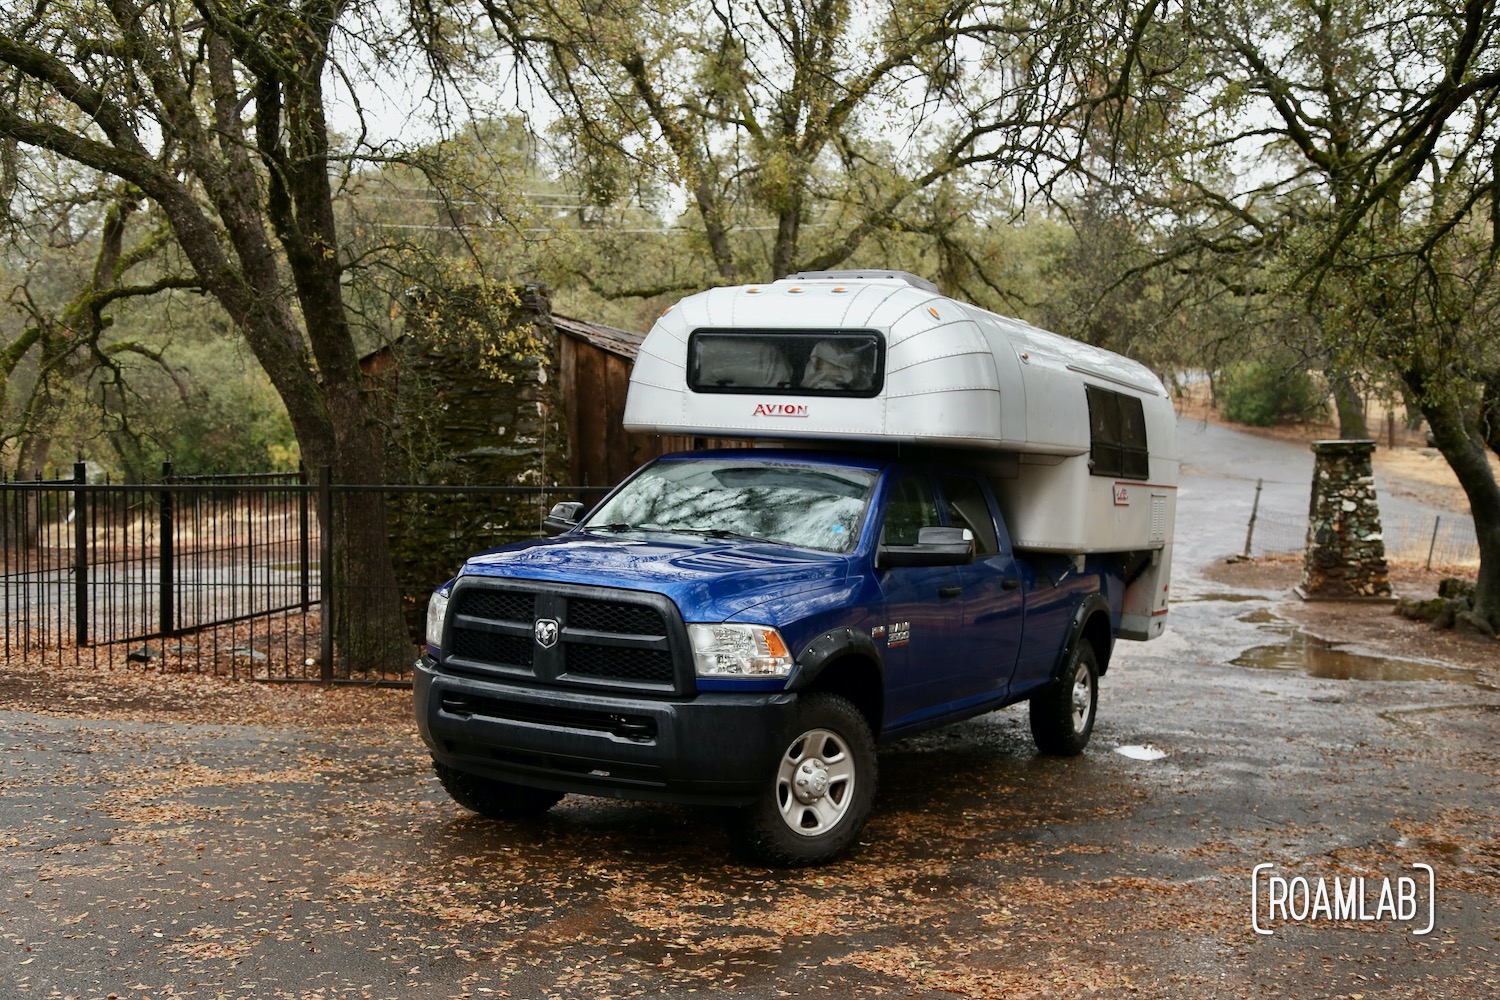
x=820 y=792
x=1062 y=716
x=494 y=798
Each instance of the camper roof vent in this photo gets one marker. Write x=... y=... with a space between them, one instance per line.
x=906 y=276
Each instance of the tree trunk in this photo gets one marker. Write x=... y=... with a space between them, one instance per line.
x=31 y=460
x=30 y=464
x=1468 y=458
x=364 y=606
x=221 y=203
x=788 y=228
x=1350 y=407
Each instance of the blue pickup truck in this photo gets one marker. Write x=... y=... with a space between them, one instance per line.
x=950 y=511
x=742 y=628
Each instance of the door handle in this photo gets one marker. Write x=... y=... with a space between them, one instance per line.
x=1010 y=583
x=949 y=591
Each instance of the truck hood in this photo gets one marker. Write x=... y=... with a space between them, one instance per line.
x=708 y=579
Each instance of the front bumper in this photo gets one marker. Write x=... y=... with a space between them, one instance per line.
x=716 y=748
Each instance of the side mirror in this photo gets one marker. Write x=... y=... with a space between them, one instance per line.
x=562 y=517
x=936 y=546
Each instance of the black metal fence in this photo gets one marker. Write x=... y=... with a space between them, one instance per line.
x=228 y=575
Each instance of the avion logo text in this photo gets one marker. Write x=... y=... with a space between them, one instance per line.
x=780 y=409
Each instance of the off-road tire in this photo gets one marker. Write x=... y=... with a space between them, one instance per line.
x=819 y=792
x=1062 y=716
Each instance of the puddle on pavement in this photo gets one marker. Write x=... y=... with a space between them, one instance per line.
x=1259 y=617
x=1223 y=597
x=1146 y=752
x=1323 y=659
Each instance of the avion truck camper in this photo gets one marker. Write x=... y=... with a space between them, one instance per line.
x=948 y=512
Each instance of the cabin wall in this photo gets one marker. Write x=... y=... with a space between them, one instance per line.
x=594 y=384
x=601 y=452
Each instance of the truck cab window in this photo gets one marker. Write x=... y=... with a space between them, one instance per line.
x=968 y=508
x=911 y=508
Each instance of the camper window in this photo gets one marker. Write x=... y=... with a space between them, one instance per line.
x=792 y=362
x=1117 y=435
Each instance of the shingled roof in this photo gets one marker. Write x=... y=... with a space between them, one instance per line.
x=623 y=343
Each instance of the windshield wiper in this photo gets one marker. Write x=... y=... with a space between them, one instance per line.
x=726 y=533
x=618 y=526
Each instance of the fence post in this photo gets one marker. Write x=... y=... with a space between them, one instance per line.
x=166 y=605
x=1254 y=510
x=328 y=584
x=1435 y=522
x=304 y=548
x=80 y=554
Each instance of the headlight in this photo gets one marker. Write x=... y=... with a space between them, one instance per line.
x=437 y=610
x=738 y=651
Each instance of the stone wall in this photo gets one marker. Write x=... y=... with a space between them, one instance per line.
x=467 y=411
x=472 y=399
x=1345 y=554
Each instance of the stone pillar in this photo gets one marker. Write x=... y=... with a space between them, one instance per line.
x=1345 y=555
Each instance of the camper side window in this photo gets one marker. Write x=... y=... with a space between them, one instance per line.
x=1117 y=435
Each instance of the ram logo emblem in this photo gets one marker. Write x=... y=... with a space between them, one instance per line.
x=546 y=631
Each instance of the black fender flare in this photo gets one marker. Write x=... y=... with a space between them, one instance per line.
x=834 y=645
x=1093 y=604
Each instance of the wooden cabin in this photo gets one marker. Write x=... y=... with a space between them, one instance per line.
x=594 y=363
x=555 y=419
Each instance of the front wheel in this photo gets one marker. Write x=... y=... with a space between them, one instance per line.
x=819 y=796
x=1062 y=716
x=493 y=798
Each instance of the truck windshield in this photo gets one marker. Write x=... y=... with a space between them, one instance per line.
x=814 y=507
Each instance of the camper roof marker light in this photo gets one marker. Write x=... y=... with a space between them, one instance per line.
x=752 y=291
x=934 y=312
x=840 y=288
x=795 y=289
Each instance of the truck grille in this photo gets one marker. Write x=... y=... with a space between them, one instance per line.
x=616 y=639
x=627 y=664
x=606 y=616
x=507 y=649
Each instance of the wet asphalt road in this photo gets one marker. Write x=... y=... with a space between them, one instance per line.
x=163 y=860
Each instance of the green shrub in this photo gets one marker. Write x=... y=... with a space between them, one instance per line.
x=1264 y=395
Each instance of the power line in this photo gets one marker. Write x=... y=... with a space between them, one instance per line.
x=591 y=229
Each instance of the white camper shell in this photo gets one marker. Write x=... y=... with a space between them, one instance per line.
x=1081 y=443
